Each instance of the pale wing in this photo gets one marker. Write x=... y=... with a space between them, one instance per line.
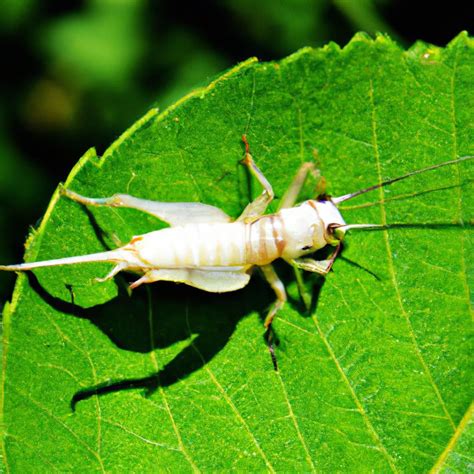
x=215 y=281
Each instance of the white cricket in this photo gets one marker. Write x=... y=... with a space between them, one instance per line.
x=205 y=248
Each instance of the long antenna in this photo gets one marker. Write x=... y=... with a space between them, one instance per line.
x=346 y=197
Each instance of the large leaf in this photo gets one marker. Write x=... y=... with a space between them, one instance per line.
x=376 y=378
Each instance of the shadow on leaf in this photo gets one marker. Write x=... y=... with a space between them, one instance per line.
x=158 y=316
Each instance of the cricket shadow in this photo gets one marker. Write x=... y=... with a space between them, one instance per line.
x=160 y=315
x=157 y=317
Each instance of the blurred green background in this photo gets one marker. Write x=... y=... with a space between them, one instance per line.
x=76 y=74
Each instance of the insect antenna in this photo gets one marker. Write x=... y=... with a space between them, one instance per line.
x=361 y=226
x=346 y=197
x=400 y=197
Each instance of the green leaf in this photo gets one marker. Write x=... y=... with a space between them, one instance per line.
x=458 y=455
x=376 y=378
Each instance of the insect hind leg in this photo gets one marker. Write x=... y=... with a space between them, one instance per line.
x=118 y=200
x=112 y=201
x=174 y=213
x=117 y=269
x=149 y=277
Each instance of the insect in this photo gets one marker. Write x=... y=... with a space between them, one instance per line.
x=205 y=248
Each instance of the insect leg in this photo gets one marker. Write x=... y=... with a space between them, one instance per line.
x=322 y=266
x=291 y=195
x=174 y=213
x=279 y=289
x=148 y=277
x=258 y=206
x=303 y=292
x=289 y=199
x=117 y=269
x=277 y=286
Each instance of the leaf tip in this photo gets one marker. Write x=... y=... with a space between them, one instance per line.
x=331 y=47
x=428 y=53
x=424 y=52
x=362 y=38
x=462 y=39
x=386 y=40
x=297 y=54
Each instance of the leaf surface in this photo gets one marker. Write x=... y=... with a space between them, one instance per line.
x=458 y=457
x=376 y=378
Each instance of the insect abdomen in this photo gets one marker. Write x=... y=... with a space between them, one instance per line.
x=194 y=245
x=213 y=245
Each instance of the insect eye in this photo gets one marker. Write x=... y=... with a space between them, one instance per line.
x=335 y=231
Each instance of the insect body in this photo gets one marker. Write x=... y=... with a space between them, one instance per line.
x=205 y=249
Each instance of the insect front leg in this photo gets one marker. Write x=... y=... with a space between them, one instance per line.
x=257 y=207
x=322 y=267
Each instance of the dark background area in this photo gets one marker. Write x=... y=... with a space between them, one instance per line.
x=76 y=74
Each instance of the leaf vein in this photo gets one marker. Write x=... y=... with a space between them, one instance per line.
x=454 y=439
x=161 y=390
x=295 y=424
x=227 y=399
x=37 y=452
x=354 y=396
x=142 y=438
x=57 y=420
x=252 y=98
x=86 y=354
x=391 y=266
x=97 y=401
